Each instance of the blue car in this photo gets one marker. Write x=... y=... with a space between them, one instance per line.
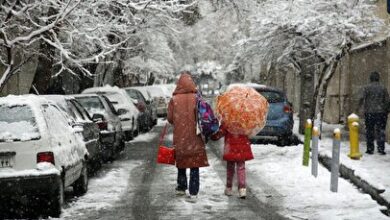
x=280 y=123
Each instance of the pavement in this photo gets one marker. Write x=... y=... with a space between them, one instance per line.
x=136 y=187
x=368 y=173
x=279 y=187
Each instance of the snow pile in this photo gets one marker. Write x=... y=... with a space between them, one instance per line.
x=303 y=195
x=103 y=192
x=369 y=167
x=41 y=170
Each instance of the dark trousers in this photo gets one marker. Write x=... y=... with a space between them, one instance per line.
x=375 y=127
x=194 y=180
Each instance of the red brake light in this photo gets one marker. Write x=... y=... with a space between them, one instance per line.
x=102 y=125
x=287 y=109
x=45 y=157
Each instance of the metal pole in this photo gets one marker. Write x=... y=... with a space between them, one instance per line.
x=314 y=152
x=334 y=179
x=306 y=146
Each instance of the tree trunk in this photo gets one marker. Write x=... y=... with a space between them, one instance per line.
x=307 y=89
x=42 y=76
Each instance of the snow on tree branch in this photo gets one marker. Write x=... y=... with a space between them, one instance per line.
x=86 y=31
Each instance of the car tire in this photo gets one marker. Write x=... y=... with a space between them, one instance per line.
x=284 y=141
x=136 y=131
x=56 y=200
x=80 y=187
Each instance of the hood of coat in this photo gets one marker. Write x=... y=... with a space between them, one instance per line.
x=184 y=85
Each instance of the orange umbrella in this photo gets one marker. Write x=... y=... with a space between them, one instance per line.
x=242 y=110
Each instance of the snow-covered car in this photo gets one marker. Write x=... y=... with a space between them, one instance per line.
x=161 y=97
x=124 y=105
x=150 y=103
x=40 y=155
x=169 y=89
x=145 y=117
x=88 y=129
x=105 y=115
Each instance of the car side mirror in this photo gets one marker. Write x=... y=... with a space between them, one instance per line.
x=121 y=111
x=97 y=117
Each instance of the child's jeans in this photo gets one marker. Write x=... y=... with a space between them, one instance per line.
x=240 y=173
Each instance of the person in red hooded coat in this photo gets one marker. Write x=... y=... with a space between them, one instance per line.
x=189 y=147
x=237 y=150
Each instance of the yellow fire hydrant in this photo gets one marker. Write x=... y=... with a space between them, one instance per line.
x=353 y=125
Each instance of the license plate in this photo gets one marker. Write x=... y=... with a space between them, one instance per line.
x=7 y=159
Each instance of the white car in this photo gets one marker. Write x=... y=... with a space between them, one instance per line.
x=124 y=105
x=161 y=97
x=40 y=154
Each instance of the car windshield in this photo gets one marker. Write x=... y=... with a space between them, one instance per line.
x=272 y=97
x=132 y=94
x=17 y=123
x=93 y=105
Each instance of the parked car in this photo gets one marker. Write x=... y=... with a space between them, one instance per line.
x=145 y=117
x=280 y=121
x=40 y=154
x=151 y=105
x=88 y=129
x=124 y=105
x=106 y=117
x=161 y=98
x=169 y=89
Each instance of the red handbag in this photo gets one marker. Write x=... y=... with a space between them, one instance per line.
x=165 y=155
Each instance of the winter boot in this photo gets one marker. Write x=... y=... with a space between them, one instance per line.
x=192 y=198
x=180 y=192
x=228 y=191
x=242 y=193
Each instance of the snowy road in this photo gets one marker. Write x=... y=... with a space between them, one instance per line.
x=279 y=187
x=135 y=187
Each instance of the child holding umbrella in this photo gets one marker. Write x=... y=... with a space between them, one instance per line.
x=242 y=112
x=237 y=150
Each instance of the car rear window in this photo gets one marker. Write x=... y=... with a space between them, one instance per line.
x=93 y=105
x=17 y=123
x=272 y=97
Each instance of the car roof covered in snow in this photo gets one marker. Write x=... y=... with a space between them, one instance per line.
x=104 y=89
x=30 y=99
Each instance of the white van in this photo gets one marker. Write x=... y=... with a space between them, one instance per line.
x=40 y=154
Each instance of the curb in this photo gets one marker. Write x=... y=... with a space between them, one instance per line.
x=366 y=187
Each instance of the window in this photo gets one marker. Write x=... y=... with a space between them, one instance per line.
x=93 y=105
x=57 y=123
x=272 y=97
x=110 y=105
x=17 y=123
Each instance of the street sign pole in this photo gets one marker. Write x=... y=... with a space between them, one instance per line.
x=306 y=144
x=314 y=152
x=334 y=178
